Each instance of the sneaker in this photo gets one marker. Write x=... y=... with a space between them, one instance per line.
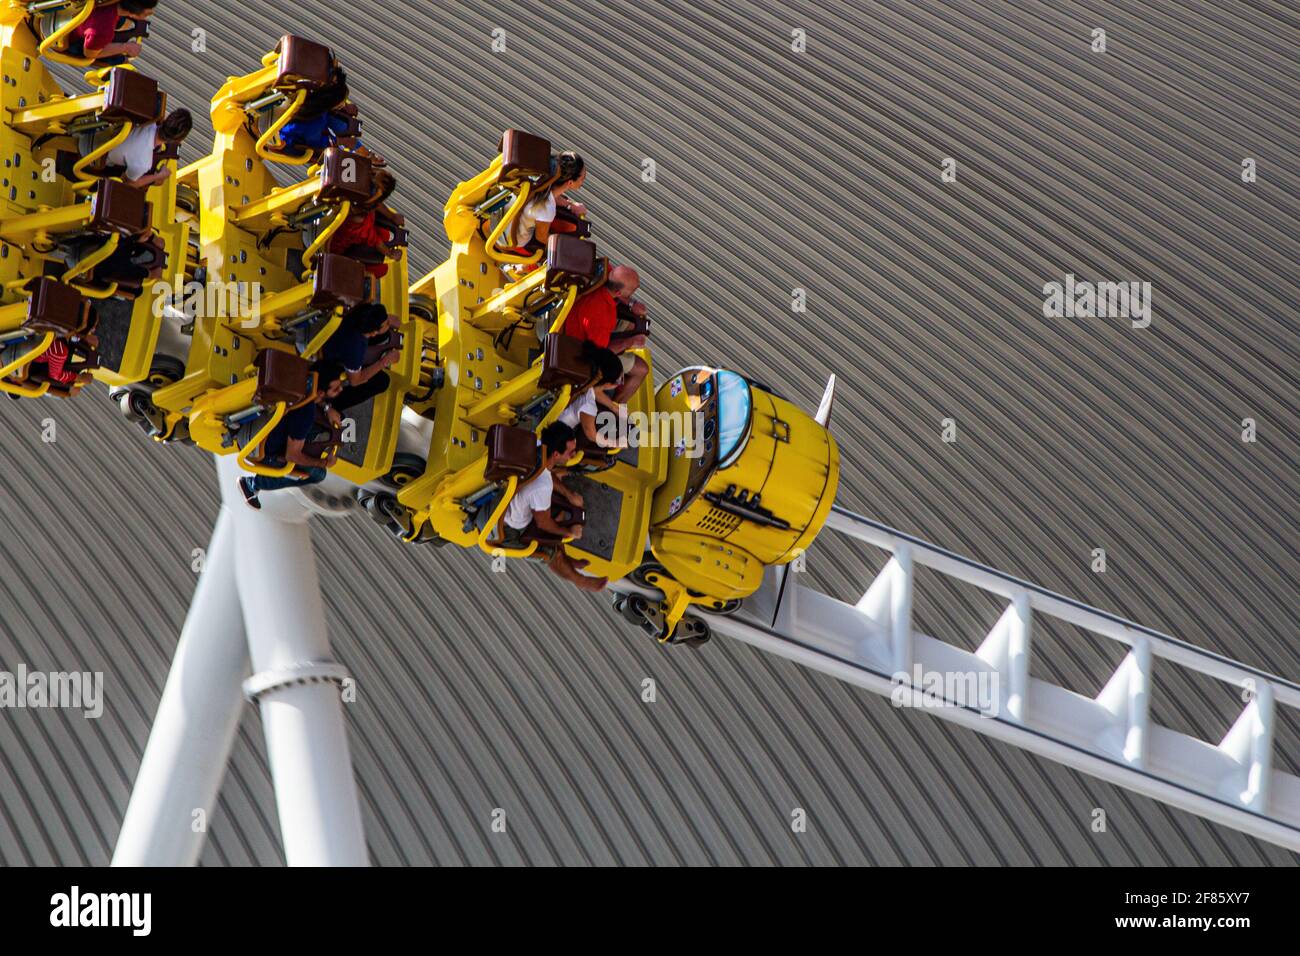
x=250 y=493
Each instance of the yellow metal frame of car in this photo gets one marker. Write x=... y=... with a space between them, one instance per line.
x=147 y=311
x=209 y=431
x=229 y=110
x=638 y=484
x=240 y=201
x=35 y=104
x=485 y=385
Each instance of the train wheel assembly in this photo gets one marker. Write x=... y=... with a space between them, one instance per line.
x=406 y=468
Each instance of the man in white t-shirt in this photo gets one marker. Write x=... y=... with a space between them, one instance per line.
x=530 y=509
x=531 y=501
x=580 y=415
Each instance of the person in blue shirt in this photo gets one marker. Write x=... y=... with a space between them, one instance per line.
x=348 y=347
x=322 y=118
x=286 y=441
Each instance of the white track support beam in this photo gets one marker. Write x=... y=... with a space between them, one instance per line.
x=1127 y=695
x=873 y=644
x=1250 y=743
x=887 y=604
x=1006 y=650
x=198 y=716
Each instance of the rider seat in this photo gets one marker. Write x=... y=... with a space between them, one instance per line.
x=282 y=377
x=375 y=348
x=58 y=308
x=563 y=364
x=338 y=280
x=132 y=97
x=569 y=260
x=524 y=155
x=345 y=176
x=120 y=208
x=512 y=453
x=138 y=30
x=303 y=64
x=395 y=223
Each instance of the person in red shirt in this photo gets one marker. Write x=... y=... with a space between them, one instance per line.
x=360 y=232
x=594 y=317
x=96 y=40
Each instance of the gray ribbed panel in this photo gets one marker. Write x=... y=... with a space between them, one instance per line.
x=775 y=170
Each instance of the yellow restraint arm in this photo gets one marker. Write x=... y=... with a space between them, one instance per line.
x=256 y=441
x=80 y=179
x=26 y=391
x=272 y=135
x=490 y=244
x=87 y=264
x=563 y=315
x=326 y=234
x=498 y=513
x=52 y=46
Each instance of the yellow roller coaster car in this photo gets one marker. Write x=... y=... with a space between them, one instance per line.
x=64 y=216
x=721 y=479
x=269 y=283
x=711 y=480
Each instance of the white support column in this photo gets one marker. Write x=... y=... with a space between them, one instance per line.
x=1127 y=695
x=294 y=680
x=1006 y=649
x=1250 y=743
x=900 y=610
x=194 y=729
x=888 y=604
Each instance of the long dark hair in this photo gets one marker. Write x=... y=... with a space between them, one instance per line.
x=329 y=97
x=176 y=126
x=568 y=167
x=604 y=362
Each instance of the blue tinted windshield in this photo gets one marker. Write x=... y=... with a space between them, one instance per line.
x=734 y=406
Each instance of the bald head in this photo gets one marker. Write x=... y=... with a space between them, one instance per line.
x=623 y=282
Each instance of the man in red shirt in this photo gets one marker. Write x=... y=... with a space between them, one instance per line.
x=95 y=38
x=594 y=318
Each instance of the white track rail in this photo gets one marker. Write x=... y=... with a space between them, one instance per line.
x=873 y=644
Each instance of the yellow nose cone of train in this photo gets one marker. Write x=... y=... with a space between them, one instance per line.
x=749 y=484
